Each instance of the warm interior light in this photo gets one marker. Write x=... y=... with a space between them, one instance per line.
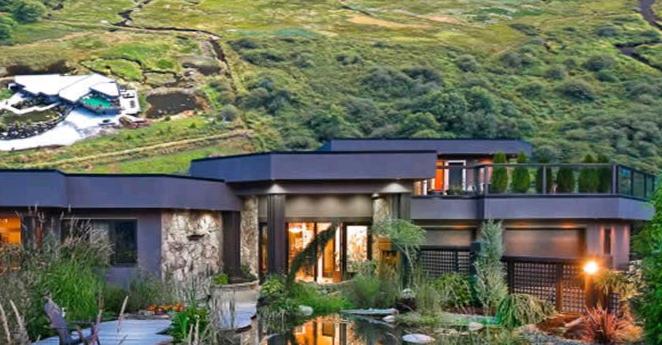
x=591 y=267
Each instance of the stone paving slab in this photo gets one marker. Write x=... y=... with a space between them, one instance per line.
x=131 y=332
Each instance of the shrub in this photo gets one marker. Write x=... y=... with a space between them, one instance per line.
x=499 y=182
x=521 y=178
x=647 y=244
x=556 y=73
x=588 y=177
x=322 y=301
x=28 y=11
x=522 y=309
x=565 y=180
x=578 y=90
x=370 y=290
x=146 y=289
x=526 y=29
x=221 y=279
x=625 y=284
x=113 y=298
x=607 y=31
x=599 y=326
x=7 y=25
x=229 y=112
x=599 y=62
x=490 y=282
x=454 y=290
x=532 y=90
x=512 y=60
x=427 y=297
x=467 y=63
x=273 y=288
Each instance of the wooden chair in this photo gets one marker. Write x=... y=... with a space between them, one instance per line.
x=59 y=324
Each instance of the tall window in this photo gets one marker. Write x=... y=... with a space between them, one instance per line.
x=10 y=230
x=120 y=233
x=607 y=241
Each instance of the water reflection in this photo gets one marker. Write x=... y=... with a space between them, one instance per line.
x=336 y=330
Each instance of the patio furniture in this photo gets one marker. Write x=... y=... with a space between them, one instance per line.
x=59 y=324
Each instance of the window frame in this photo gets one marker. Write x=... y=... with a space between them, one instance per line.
x=111 y=221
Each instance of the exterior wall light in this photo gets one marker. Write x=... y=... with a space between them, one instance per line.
x=591 y=267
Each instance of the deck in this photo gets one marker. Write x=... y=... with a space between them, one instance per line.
x=130 y=332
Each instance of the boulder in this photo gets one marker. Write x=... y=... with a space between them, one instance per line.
x=475 y=326
x=305 y=310
x=389 y=319
x=417 y=338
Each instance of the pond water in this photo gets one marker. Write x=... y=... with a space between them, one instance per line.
x=171 y=103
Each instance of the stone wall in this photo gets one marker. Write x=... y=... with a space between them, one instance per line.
x=250 y=234
x=381 y=211
x=191 y=244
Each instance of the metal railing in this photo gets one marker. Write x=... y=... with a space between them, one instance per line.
x=541 y=179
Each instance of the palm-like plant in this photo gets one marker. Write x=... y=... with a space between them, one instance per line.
x=405 y=236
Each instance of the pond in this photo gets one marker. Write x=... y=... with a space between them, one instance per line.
x=342 y=330
x=171 y=103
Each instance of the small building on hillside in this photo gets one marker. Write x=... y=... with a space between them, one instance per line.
x=94 y=92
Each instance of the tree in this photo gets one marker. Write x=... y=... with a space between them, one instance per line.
x=588 y=177
x=499 y=182
x=229 y=112
x=521 y=177
x=648 y=244
x=490 y=284
x=565 y=180
x=6 y=27
x=28 y=11
x=405 y=236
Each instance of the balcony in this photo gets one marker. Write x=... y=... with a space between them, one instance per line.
x=588 y=179
x=553 y=191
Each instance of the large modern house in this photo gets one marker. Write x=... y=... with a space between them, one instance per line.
x=259 y=210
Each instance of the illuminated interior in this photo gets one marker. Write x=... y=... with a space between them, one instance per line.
x=329 y=267
x=10 y=230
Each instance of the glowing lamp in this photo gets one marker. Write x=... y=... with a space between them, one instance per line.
x=591 y=267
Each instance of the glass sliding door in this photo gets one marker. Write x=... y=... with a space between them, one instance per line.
x=299 y=236
x=357 y=247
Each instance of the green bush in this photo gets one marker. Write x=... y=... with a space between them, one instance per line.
x=273 y=288
x=499 y=183
x=532 y=90
x=647 y=244
x=467 y=63
x=221 y=279
x=28 y=11
x=373 y=289
x=187 y=322
x=588 y=180
x=454 y=290
x=490 y=282
x=578 y=90
x=599 y=62
x=565 y=180
x=229 y=112
x=522 y=309
x=146 y=289
x=113 y=298
x=7 y=25
x=556 y=73
x=321 y=300
x=521 y=181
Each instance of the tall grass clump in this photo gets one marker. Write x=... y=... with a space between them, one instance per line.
x=522 y=309
x=406 y=237
x=70 y=270
x=374 y=286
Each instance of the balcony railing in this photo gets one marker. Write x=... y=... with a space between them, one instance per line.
x=543 y=179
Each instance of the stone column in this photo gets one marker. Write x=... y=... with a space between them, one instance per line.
x=382 y=210
x=191 y=243
x=249 y=237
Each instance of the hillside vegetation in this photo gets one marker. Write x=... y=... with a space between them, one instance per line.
x=571 y=76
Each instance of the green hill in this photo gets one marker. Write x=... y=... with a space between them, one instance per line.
x=570 y=76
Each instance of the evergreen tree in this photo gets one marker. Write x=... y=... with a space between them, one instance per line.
x=28 y=11
x=521 y=177
x=588 y=177
x=565 y=180
x=604 y=175
x=490 y=281
x=499 y=182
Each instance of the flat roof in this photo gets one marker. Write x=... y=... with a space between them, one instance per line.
x=53 y=188
x=67 y=87
x=318 y=166
x=441 y=146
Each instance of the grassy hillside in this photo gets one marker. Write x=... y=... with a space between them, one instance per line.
x=571 y=76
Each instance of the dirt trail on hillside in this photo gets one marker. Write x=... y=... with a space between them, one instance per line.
x=630 y=49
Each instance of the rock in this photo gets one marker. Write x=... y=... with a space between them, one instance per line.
x=417 y=338
x=305 y=310
x=407 y=294
x=475 y=326
x=389 y=319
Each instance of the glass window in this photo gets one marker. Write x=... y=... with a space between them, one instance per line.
x=357 y=246
x=120 y=233
x=10 y=230
x=607 y=241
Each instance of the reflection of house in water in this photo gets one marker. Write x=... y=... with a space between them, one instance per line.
x=334 y=330
x=94 y=92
